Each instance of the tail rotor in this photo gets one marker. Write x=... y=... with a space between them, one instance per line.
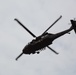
x=73 y=22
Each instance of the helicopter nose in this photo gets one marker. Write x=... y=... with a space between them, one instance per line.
x=26 y=51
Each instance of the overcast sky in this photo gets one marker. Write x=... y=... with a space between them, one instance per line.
x=37 y=15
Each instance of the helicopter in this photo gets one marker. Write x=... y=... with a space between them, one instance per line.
x=39 y=43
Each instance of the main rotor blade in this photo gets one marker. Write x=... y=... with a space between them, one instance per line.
x=52 y=24
x=19 y=56
x=52 y=50
x=25 y=27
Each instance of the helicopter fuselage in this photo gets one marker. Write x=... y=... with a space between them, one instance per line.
x=42 y=41
x=38 y=44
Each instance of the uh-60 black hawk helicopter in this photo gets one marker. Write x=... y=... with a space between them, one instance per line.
x=44 y=40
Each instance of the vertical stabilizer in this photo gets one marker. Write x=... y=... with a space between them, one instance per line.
x=73 y=24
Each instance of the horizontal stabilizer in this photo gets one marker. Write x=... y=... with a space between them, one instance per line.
x=74 y=25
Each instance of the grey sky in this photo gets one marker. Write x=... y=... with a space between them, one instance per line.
x=36 y=15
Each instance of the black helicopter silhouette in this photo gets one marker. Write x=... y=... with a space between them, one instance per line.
x=44 y=40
